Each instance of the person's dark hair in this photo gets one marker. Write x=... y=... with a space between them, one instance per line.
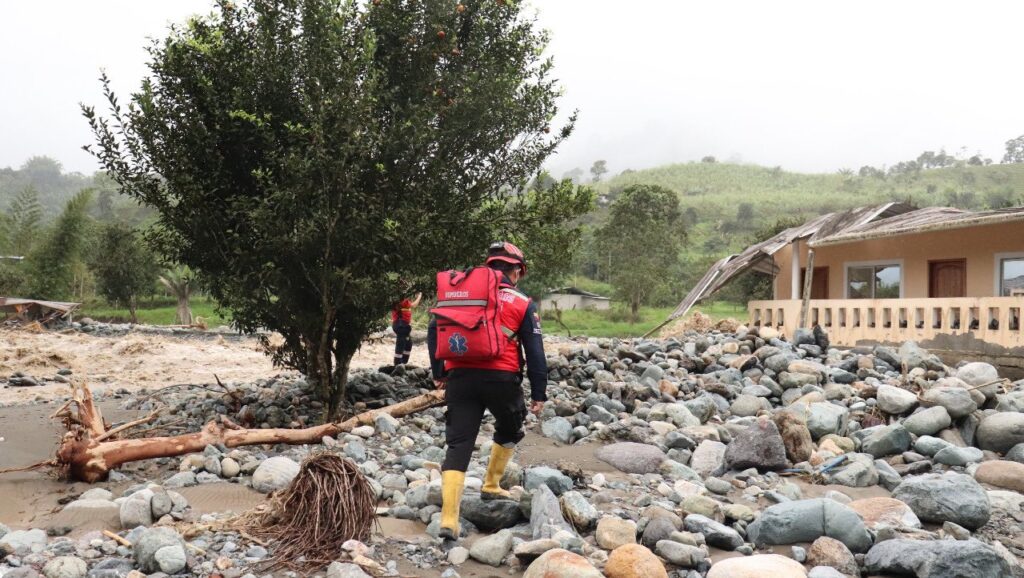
x=503 y=266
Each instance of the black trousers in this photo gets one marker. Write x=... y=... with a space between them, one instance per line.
x=469 y=393
x=403 y=341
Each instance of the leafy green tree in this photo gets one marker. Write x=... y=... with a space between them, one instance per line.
x=43 y=172
x=125 y=267
x=575 y=175
x=642 y=239
x=308 y=158
x=53 y=263
x=551 y=251
x=23 y=222
x=598 y=170
x=1014 y=150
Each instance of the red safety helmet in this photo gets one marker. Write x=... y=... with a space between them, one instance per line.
x=506 y=252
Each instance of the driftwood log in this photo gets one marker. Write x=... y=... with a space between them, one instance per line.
x=88 y=451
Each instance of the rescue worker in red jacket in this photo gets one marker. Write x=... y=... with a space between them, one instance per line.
x=401 y=324
x=494 y=385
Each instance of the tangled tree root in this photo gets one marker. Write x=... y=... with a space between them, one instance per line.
x=328 y=503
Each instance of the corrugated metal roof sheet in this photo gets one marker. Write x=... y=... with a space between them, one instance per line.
x=921 y=221
x=759 y=257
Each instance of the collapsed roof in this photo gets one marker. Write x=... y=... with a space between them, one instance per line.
x=863 y=223
x=758 y=257
x=27 y=310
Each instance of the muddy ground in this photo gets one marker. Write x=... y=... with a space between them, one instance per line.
x=140 y=360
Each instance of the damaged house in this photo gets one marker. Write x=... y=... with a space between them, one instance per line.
x=950 y=279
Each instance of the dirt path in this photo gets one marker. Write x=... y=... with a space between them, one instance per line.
x=139 y=360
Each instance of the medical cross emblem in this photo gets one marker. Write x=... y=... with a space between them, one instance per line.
x=457 y=344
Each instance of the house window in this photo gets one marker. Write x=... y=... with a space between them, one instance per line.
x=1011 y=277
x=873 y=281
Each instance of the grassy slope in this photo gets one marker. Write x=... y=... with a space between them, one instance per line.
x=159 y=313
x=716 y=190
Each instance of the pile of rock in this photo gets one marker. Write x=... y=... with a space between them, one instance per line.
x=713 y=441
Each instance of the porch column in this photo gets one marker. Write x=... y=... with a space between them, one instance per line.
x=794 y=283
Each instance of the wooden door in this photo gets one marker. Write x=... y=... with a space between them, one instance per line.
x=947 y=278
x=819 y=283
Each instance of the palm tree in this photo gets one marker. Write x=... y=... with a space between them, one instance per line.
x=179 y=283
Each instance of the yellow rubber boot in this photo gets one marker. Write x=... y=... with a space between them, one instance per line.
x=491 y=490
x=452 y=483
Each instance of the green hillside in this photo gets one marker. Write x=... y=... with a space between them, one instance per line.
x=726 y=203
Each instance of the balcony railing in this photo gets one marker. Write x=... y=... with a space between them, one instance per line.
x=849 y=322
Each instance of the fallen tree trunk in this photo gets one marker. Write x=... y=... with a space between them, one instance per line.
x=88 y=456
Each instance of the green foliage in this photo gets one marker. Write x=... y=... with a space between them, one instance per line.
x=125 y=267
x=620 y=322
x=551 y=250
x=53 y=264
x=161 y=311
x=714 y=191
x=642 y=239
x=598 y=169
x=1014 y=150
x=307 y=158
x=22 y=222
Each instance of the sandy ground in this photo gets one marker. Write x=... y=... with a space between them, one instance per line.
x=139 y=360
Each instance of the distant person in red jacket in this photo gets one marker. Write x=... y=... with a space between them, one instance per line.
x=401 y=323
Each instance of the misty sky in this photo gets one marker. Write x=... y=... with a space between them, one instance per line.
x=808 y=85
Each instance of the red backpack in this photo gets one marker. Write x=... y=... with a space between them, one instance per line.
x=468 y=315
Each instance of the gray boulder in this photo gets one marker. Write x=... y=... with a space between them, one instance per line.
x=490 y=515
x=1014 y=454
x=980 y=373
x=715 y=534
x=808 y=520
x=952 y=497
x=936 y=559
x=546 y=514
x=885 y=440
x=895 y=400
x=171 y=559
x=708 y=457
x=1000 y=431
x=748 y=405
x=557 y=428
x=492 y=549
x=136 y=511
x=955 y=456
x=759 y=446
x=151 y=541
x=631 y=457
x=682 y=555
x=957 y=401
x=544 y=476
x=581 y=513
x=928 y=422
x=65 y=567
x=22 y=540
x=825 y=418
x=274 y=473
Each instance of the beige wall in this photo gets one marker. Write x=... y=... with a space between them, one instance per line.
x=978 y=245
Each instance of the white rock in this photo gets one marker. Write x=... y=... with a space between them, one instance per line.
x=171 y=559
x=274 y=473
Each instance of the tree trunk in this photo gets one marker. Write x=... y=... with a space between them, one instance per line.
x=183 y=316
x=634 y=309
x=89 y=458
x=338 y=385
x=133 y=307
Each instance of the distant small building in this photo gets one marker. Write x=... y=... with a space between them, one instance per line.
x=568 y=298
